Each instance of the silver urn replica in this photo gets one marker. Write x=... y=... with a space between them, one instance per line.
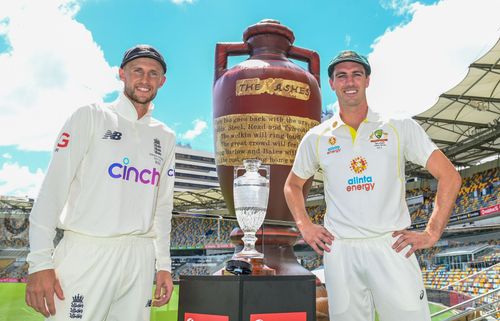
x=251 y=194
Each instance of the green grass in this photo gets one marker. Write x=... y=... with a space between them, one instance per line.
x=13 y=308
x=433 y=308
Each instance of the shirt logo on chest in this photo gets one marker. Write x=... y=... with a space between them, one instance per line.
x=114 y=135
x=358 y=165
x=379 y=138
x=334 y=148
x=359 y=183
x=156 y=154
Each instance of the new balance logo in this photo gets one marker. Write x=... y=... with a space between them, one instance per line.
x=112 y=135
x=149 y=303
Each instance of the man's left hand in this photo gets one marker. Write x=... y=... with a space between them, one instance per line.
x=416 y=240
x=164 y=288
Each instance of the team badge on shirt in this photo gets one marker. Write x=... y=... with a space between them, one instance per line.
x=157 y=151
x=379 y=138
x=334 y=148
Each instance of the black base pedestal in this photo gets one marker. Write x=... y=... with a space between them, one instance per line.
x=247 y=298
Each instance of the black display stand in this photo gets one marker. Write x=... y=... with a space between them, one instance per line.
x=247 y=298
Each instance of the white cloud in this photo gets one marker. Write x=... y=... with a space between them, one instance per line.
x=414 y=63
x=7 y=156
x=199 y=128
x=400 y=7
x=16 y=180
x=54 y=67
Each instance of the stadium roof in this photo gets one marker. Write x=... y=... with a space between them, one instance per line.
x=465 y=121
x=464 y=250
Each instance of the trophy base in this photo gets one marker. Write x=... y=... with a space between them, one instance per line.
x=252 y=266
x=248 y=254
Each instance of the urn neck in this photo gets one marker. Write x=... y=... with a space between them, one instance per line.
x=269 y=45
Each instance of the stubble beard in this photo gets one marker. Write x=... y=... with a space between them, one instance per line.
x=130 y=93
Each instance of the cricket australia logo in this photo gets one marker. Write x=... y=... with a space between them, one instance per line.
x=76 y=309
x=379 y=138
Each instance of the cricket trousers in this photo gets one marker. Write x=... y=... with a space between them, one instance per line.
x=104 y=278
x=366 y=274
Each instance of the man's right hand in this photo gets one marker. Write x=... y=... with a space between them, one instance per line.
x=40 y=290
x=318 y=237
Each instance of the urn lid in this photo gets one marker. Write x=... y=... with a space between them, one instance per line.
x=269 y=26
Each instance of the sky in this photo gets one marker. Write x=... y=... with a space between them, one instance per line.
x=58 y=55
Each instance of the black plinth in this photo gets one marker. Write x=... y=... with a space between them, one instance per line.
x=247 y=298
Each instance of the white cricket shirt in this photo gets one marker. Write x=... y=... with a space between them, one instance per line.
x=363 y=172
x=110 y=175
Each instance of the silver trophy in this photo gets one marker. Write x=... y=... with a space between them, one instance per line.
x=251 y=193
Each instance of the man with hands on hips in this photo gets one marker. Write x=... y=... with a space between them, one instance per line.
x=109 y=187
x=368 y=253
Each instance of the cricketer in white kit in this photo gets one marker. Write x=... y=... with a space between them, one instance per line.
x=368 y=253
x=109 y=187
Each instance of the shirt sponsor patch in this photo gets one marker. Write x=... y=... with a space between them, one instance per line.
x=359 y=183
x=63 y=141
x=334 y=148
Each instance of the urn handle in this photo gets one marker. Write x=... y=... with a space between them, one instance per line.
x=225 y=49
x=309 y=56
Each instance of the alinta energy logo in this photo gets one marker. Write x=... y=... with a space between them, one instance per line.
x=359 y=183
x=334 y=148
x=130 y=173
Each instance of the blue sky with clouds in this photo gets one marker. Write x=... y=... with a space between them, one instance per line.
x=57 y=55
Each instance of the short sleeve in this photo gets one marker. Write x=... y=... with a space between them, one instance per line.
x=418 y=146
x=306 y=160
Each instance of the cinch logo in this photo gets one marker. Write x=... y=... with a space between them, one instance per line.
x=145 y=176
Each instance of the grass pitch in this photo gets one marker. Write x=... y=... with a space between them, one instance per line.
x=13 y=308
